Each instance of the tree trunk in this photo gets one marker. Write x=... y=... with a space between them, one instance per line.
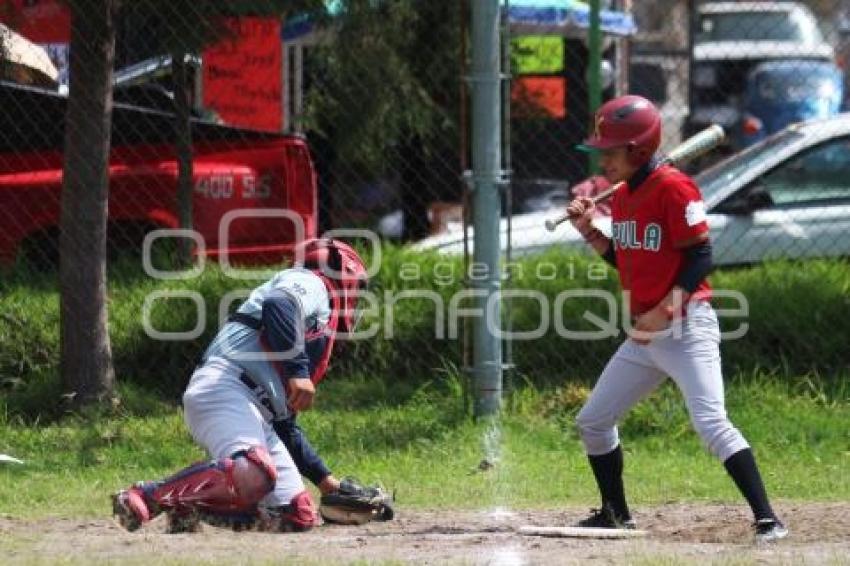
x=183 y=145
x=86 y=354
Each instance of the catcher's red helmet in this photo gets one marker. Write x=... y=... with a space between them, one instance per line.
x=631 y=121
x=338 y=262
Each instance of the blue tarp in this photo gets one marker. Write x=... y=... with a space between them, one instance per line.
x=527 y=17
x=295 y=27
x=553 y=16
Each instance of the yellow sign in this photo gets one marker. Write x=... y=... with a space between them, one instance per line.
x=537 y=54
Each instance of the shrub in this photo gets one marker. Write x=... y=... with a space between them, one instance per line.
x=799 y=318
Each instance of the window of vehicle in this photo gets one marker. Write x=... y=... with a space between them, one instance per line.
x=806 y=83
x=757 y=26
x=818 y=174
x=716 y=178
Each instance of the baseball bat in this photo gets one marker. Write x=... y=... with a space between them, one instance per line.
x=696 y=145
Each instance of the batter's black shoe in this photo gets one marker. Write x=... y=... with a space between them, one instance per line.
x=770 y=530
x=606 y=518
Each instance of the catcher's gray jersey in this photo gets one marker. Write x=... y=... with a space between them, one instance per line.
x=240 y=345
x=305 y=285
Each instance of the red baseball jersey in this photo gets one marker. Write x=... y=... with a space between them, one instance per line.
x=651 y=226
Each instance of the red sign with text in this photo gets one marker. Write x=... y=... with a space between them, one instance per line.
x=243 y=74
x=44 y=22
x=40 y=21
x=536 y=95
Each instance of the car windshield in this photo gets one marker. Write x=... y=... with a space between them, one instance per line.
x=796 y=86
x=754 y=26
x=718 y=176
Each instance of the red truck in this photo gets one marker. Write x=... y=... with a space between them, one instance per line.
x=254 y=172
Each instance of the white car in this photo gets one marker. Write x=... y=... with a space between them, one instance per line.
x=787 y=196
x=731 y=39
x=758 y=30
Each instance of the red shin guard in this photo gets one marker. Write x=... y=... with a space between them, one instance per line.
x=229 y=486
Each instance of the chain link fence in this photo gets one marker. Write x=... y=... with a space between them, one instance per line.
x=354 y=115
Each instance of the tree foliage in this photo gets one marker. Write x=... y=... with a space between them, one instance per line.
x=387 y=74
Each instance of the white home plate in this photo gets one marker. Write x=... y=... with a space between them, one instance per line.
x=579 y=532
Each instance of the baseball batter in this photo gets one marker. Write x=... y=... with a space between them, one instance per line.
x=240 y=405
x=661 y=249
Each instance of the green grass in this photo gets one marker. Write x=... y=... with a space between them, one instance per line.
x=799 y=319
x=392 y=410
x=428 y=451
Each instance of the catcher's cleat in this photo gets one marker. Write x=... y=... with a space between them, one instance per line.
x=129 y=507
x=180 y=522
x=297 y=516
x=237 y=522
x=606 y=518
x=770 y=530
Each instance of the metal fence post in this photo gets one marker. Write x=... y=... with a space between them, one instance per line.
x=594 y=82
x=486 y=166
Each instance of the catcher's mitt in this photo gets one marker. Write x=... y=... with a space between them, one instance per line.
x=354 y=504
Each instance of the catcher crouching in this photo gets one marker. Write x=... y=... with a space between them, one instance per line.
x=241 y=405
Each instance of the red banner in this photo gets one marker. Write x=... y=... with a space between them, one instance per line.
x=536 y=95
x=40 y=21
x=242 y=74
x=44 y=22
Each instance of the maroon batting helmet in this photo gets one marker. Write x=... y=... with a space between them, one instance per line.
x=628 y=121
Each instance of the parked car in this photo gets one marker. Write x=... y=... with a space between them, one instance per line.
x=527 y=195
x=730 y=40
x=786 y=196
x=256 y=172
x=554 y=199
x=780 y=93
x=531 y=195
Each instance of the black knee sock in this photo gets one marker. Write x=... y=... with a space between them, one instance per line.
x=608 y=471
x=744 y=471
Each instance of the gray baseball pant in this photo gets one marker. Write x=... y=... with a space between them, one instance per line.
x=691 y=359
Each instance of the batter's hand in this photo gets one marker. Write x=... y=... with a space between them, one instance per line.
x=650 y=322
x=301 y=393
x=581 y=212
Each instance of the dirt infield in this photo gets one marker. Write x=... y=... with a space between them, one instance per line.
x=678 y=534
